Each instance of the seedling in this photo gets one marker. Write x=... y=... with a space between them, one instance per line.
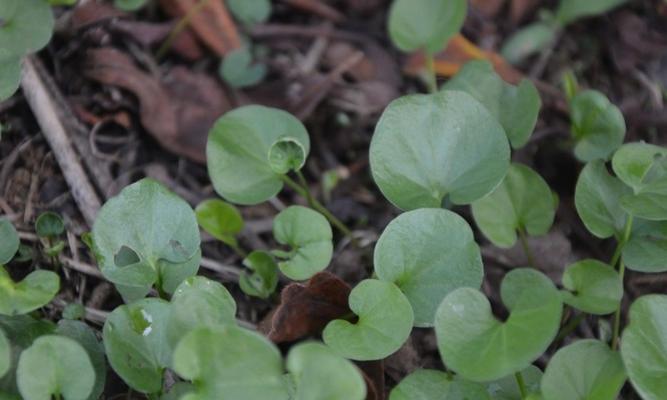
x=221 y=220
x=49 y=226
x=239 y=70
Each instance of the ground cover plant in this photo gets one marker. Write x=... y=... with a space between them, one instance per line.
x=450 y=162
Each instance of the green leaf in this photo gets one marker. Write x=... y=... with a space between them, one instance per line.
x=651 y=204
x=515 y=107
x=228 y=362
x=238 y=69
x=429 y=384
x=238 y=152
x=570 y=10
x=49 y=225
x=596 y=124
x=10 y=76
x=129 y=5
x=428 y=253
x=308 y=234
x=593 y=287
x=10 y=241
x=425 y=24
x=473 y=343
x=178 y=391
x=522 y=201
x=321 y=374
x=220 y=219
x=250 y=12
x=507 y=388
x=384 y=324
x=264 y=279
x=646 y=251
x=428 y=148
x=34 y=291
x=146 y=235
x=27 y=26
x=135 y=339
x=528 y=41
x=644 y=346
x=86 y=337
x=640 y=165
x=5 y=354
x=55 y=366
x=286 y=155
x=74 y=311
x=199 y=301
x=597 y=198
x=584 y=370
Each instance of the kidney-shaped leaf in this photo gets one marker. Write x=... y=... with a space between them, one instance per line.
x=238 y=152
x=477 y=346
x=593 y=287
x=34 y=291
x=135 y=339
x=219 y=219
x=308 y=234
x=425 y=24
x=516 y=107
x=228 y=362
x=146 y=234
x=430 y=147
x=646 y=251
x=428 y=384
x=644 y=346
x=86 y=337
x=264 y=278
x=9 y=244
x=596 y=124
x=507 y=388
x=55 y=366
x=428 y=253
x=27 y=26
x=584 y=370
x=321 y=374
x=523 y=201
x=597 y=199
x=199 y=301
x=385 y=322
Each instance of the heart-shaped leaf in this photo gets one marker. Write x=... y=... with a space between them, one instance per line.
x=646 y=251
x=250 y=12
x=10 y=76
x=199 y=301
x=146 y=235
x=425 y=24
x=220 y=219
x=135 y=339
x=238 y=152
x=584 y=370
x=644 y=346
x=238 y=70
x=596 y=124
x=593 y=287
x=264 y=279
x=308 y=234
x=34 y=291
x=26 y=26
x=507 y=388
x=428 y=148
x=5 y=354
x=55 y=366
x=10 y=241
x=640 y=165
x=385 y=320
x=523 y=201
x=228 y=362
x=320 y=374
x=428 y=253
x=86 y=337
x=597 y=198
x=465 y=326
x=429 y=384
x=516 y=107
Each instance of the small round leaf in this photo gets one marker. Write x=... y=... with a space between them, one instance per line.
x=646 y=251
x=507 y=388
x=34 y=291
x=428 y=384
x=250 y=11
x=639 y=165
x=49 y=225
x=523 y=201
x=321 y=374
x=309 y=236
x=428 y=253
x=220 y=219
x=385 y=322
x=228 y=362
x=238 y=69
x=584 y=370
x=465 y=325
x=593 y=287
x=238 y=152
x=597 y=126
x=86 y=337
x=264 y=279
x=9 y=244
x=425 y=24
x=644 y=346
x=55 y=366
x=430 y=147
x=27 y=26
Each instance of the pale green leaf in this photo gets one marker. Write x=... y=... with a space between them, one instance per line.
x=34 y=291
x=264 y=278
x=86 y=337
x=507 y=388
x=10 y=77
x=593 y=287
x=646 y=251
x=27 y=26
x=428 y=384
x=238 y=69
x=250 y=12
x=528 y=41
x=596 y=124
x=9 y=241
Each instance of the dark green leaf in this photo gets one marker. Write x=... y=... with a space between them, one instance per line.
x=49 y=225
x=220 y=219
x=571 y=10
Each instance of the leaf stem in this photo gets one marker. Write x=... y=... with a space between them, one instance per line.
x=621 y=273
x=180 y=27
x=431 y=79
x=570 y=326
x=526 y=248
x=521 y=384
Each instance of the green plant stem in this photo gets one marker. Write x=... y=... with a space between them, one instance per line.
x=180 y=27
x=521 y=384
x=238 y=250
x=526 y=248
x=621 y=272
x=431 y=79
x=570 y=326
x=304 y=184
